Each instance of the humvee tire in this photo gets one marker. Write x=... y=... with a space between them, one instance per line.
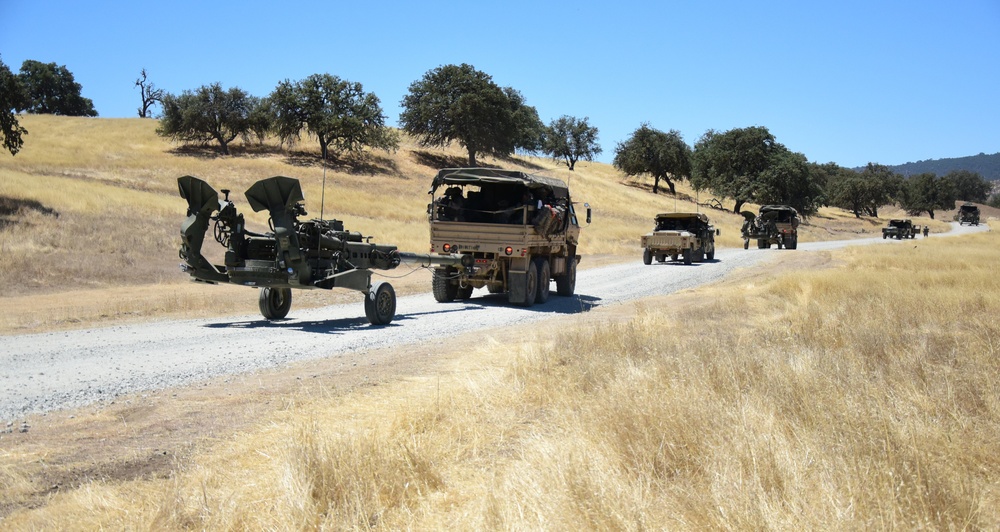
x=444 y=290
x=544 y=274
x=380 y=304
x=763 y=244
x=710 y=254
x=647 y=257
x=275 y=302
x=687 y=256
x=566 y=283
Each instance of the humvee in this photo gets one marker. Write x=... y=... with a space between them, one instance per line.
x=775 y=224
x=899 y=229
x=968 y=213
x=521 y=229
x=685 y=234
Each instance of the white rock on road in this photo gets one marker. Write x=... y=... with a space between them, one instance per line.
x=43 y=372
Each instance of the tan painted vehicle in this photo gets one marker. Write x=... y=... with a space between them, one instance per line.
x=679 y=234
x=900 y=229
x=521 y=229
x=775 y=224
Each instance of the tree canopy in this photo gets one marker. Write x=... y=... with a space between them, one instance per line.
x=650 y=151
x=927 y=192
x=732 y=164
x=571 y=139
x=206 y=114
x=460 y=103
x=341 y=115
x=51 y=89
x=12 y=101
x=864 y=192
x=969 y=186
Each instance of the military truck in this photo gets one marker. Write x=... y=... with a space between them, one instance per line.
x=679 y=234
x=899 y=229
x=774 y=224
x=968 y=213
x=521 y=229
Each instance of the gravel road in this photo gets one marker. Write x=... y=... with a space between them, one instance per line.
x=43 y=372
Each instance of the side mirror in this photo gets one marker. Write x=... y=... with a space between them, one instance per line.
x=587 y=205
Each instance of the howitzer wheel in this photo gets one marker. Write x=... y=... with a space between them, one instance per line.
x=275 y=302
x=566 y=283
x=380 y=304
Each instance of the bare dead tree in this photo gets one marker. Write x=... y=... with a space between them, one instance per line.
x=150 y=95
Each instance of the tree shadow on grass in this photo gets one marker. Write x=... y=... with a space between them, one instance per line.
x=13 y=209
x=367 y=163
x=664 y=190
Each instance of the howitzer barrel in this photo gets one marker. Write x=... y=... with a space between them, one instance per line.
x=426 y=259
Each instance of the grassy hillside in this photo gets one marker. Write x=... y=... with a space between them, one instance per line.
x=90 y=216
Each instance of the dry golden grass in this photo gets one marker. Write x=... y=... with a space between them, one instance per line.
x=856 y=397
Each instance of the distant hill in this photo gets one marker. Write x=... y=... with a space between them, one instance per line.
x=987 y=166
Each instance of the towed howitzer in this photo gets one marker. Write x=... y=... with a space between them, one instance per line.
x=312 y=254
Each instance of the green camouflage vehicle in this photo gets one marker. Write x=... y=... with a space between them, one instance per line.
x=679 y=234
x=775 y=224
x=968 y=213
x=521 y=230
x=899 y=229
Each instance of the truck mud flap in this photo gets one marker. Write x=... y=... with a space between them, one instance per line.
x=517 y=283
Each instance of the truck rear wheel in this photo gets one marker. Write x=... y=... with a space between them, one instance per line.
x=647 y=257
x=275 y=302
x=763 y=244
x=380 y=304
x=444 y=290
x=710 y=254
x=566 y=283
x=544 y=276
x=688 y=255
x=464 y=292
x=793 y=243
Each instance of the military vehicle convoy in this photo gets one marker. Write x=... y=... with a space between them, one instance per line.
x=679 y=234
x=311 y=254
x=899 y=229
x=774 y=224
x=968 y=213
x=521 y=230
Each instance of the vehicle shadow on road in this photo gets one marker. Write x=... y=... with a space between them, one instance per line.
x=574 y=304
x=336 y=326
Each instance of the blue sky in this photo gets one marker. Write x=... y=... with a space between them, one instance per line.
x=850 y=82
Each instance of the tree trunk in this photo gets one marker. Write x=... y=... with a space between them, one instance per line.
x=931 y=214
x=572 y=163
x=656 y=184
x=472 y=157
x=738 y=206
